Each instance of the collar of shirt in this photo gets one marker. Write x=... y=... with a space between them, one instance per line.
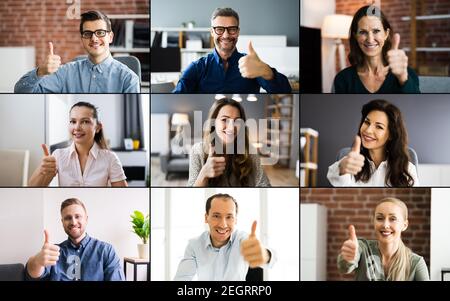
x=231 y=60
x=208 y=242
x=373 y=167
x=93 y=151
x=83 y=243
x=104 y=65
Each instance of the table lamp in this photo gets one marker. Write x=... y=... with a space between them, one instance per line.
x=179 y=120
x=337 y=27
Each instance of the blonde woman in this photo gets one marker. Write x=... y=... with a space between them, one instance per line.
x=387 y=257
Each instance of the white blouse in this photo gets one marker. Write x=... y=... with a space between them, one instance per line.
x=102 y=167
x=377 y=179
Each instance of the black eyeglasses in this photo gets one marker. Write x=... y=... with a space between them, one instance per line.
x=221 y=29
x=99 y=33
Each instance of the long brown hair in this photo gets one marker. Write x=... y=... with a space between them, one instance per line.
x=396 y=147
x=99 y=136
x=356 y=57
x=238 y=164
x=400 y=265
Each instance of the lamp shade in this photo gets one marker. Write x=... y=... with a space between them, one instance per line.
x=180 y=119
x=336 y=26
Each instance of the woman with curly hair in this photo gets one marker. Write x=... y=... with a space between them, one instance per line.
x=379 y=156
x=224 y=157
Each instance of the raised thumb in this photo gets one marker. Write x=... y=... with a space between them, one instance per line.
x=356 y=147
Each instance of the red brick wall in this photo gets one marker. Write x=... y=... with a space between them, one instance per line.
x=355 y=206
x=429 y=32
x=36 y=22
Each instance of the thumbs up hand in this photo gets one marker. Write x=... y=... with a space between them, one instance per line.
x=398 y=61
x=51 y=63
x=49 y=254
x=253 y=251
x=349 y=250
x=250 y=66
x=48 y=163
x=354 y=161
x=214 y=165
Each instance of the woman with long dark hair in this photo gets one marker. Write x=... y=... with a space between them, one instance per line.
x=225 y=157
x=386 y=258
x=379 y=156
x=87 y=161
x=377 y=65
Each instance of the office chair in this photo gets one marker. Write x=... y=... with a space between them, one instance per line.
x=130 y=61
x=14 y=167
x=413 y=158
x=254 y=274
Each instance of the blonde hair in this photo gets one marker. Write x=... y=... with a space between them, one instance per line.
x=400 y=265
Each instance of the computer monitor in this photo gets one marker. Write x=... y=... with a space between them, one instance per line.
x=165 y=59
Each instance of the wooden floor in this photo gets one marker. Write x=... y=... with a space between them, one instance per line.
x=278 y=176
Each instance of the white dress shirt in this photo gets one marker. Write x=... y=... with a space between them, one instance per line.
x=102 y=167
x=377 y=179
x=209 y=263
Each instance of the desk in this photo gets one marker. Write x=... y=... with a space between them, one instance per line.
x=135 y=262
x=443 y=272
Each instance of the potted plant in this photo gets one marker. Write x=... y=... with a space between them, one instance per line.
x=141 y=227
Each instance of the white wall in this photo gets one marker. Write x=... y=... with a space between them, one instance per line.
x=110 y=111
x=21 y=224
x=16 y=61
x=440 y=224
x=22 y=124
x=109 y=213
x=312 y=14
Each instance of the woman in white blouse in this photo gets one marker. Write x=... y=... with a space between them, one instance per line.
x=87 y=161
x=379 y=155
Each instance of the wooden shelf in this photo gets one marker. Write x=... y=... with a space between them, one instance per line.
x=134 y=50
x=435 y=17
x=429 y=49
x=129 y=16
x=182 y=29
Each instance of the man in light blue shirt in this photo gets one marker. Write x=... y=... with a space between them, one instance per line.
x=80 y=257
x=98 y=73
x=223 y=253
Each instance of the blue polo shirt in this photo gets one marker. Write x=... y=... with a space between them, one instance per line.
x=207 y=75
x=92 y=260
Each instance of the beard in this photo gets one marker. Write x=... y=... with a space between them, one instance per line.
x=231 y=45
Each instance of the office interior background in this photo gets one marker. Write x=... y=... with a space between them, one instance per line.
x=178 y=214
x=328 y=213
x=336 y=119
x=170 y=112
x=28 y=26
x=31 y=120
x=425 y=40
x=180 y=34
x=25 y=213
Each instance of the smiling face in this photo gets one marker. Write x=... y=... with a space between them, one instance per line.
x=83 y=126
x=371 y=36
x=227 y=126
x=374 y=130
x=221 y=219
x=390 y=222
x=74 y=220
x=97 y=47
x=225 y=42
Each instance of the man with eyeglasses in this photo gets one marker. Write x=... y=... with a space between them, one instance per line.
x=98 y=73
x=226 y=70
x=223 y=253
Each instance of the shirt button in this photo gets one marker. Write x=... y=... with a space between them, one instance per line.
x=93 y=76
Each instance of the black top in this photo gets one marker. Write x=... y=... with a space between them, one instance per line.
x=348 y=81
